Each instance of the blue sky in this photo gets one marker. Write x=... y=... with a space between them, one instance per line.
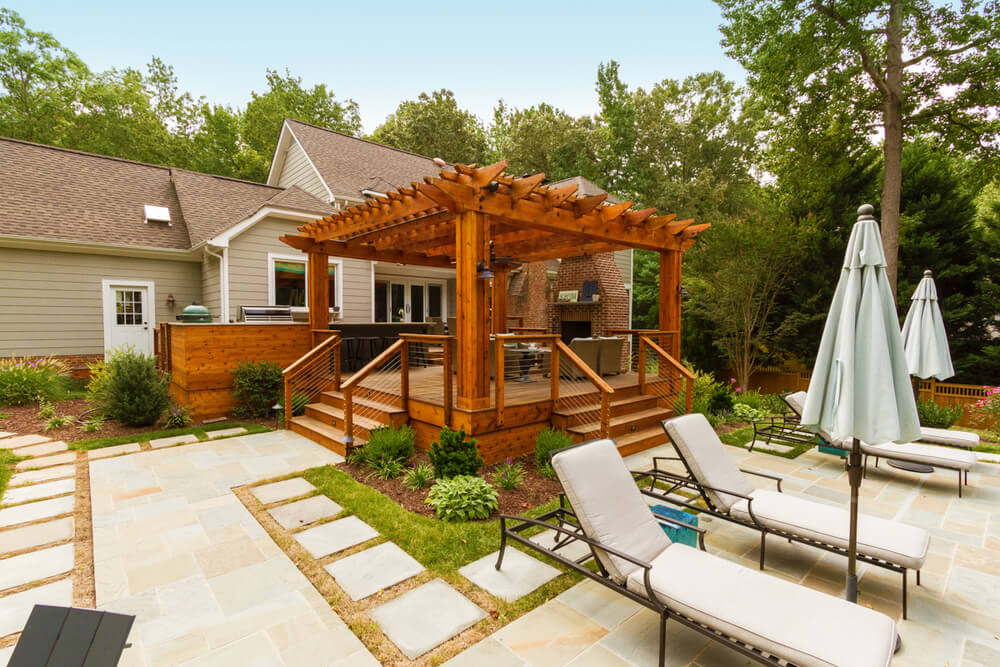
x=380 y=53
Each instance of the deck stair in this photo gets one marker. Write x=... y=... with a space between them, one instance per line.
x=323 y=422
x=635 y=420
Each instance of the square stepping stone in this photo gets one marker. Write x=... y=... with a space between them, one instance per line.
x=35 y=565
x=770 y=446
x=41 y=450
x=32 y=476
x=226 y=432
x=173 y=440
x=35 y=535
x=14 y=609
x=42 y=509
x=367 y=572
x=302 y=512
x=22 y=441
x=519 y=575
x=46 y=461
x=425 y=617
x=105 y=452
x=574 y=550
x=335 y=536
x=278 y=491
x=23 y=494
x=5 y=434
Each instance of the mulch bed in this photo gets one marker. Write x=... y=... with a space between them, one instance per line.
x=533 y=491
x=25 y=419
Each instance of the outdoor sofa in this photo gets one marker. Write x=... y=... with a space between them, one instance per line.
x=728 y=494
x=765 y=618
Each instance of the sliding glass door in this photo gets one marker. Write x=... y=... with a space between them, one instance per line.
x=398 y=300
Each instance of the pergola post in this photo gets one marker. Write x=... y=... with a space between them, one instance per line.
x=472 y=311
x=318 y=275
x=499 y=318
x=670 y=300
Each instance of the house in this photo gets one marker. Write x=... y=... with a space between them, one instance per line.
x=97 y=251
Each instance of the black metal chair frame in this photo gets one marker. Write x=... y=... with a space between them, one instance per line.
x=676 y=482
x=564 y=522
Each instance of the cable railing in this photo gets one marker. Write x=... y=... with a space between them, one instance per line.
x=381 y=380
x=573 y=392
x=318 y=370
x=666 y=377
x=665 y=339
x=520 y=366
x=430 y=369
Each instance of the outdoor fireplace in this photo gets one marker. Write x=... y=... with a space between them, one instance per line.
x=578 y=329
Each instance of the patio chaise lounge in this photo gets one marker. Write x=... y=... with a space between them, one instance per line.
x=729 y=495
x=765 y=618
x=962 y=461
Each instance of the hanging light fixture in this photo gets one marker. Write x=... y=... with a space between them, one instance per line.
x=484 y=272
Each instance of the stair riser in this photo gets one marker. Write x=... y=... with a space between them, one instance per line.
x=319 y=438
x=642 y=445
x=393 y=418
x=595 y=397
x=631 y=426
x=567 y=421
x=337 y=422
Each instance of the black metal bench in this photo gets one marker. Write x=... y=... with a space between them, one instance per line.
x=71 y=637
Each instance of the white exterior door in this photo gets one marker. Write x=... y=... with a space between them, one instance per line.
x=128 y=316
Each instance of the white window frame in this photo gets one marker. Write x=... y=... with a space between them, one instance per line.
x=108 y=304
x=273 y=257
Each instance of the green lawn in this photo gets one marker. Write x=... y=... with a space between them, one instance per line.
x=201 y=431
x=741 y=436
x=7 y=461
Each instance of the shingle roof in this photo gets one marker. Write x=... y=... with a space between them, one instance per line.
x=350 y=165
x=585 y=187
x=56 y=193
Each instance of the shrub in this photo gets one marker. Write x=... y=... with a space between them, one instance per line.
x=46 y=410
x=508 y=475
x=6 y=415
x=774 y=404
x=745 y=413
x=386 y=468
x=452 y=455
x=257 y=386
x=179 y=416
x=92 y=425
x=462 y=498
x=420 y=476
x=708 y=396
x=547 y=441
x=55 y=422
x=935 y=416
x=129 y=388
x=388 y=443
x=986 y=411
x=24 y=381
x=752 y=399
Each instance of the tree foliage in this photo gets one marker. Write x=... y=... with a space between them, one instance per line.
x=435 y=126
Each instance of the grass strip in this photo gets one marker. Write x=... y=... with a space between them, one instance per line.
x=741 y=436
x=201 y=431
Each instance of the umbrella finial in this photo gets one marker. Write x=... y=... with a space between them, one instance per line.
x=928 y=274
x=866 y=212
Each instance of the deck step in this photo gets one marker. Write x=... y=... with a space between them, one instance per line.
x=328 y=414
x=625 y=424
x=323 y=434
x=638 y=402
x=641 y=440
x=384 y=412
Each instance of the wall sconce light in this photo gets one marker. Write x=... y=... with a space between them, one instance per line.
x=484 y=272
x=682 y=290
x=171 y=301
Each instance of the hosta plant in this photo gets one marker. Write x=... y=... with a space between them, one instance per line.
x=462 y=498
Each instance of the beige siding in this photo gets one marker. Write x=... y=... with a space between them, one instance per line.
x=297 y=170
x=210 y=292
x=248 y=270
x=52 y=302
x=623 y=258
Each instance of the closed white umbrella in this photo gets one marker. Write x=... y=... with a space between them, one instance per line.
x=860 y=387
x=924 y=337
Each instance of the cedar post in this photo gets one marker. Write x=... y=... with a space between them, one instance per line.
x=318 y=275
x=499 y=318
x=472 y=321
x=670 y=301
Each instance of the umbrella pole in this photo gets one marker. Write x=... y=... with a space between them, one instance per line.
x=854 y=477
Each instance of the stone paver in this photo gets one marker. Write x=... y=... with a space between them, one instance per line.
x=14 y=609
x=367 y=572
x=518 y=575
x=306 y=511
x=226 y=432
x=5 y=434
x=35 y=535
x=487 y=652
x=173 y=440
x=423 y=618
x=772 y=446
x=278 y=491
x=573 y=550
x=105 y=452
x=11 y=516
x=988 y=456
x=35 y=565
x=164 y=521
x=335 y=536
x=46 y=461
x=32 y=476
x=22 y=494
x=42 y=449
x=23 y=441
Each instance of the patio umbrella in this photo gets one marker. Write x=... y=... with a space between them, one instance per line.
x=924 y=338
x=860 y=387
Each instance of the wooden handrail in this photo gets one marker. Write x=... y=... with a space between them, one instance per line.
x=643 y=332
x=370 y=367
x=646 y=341
x=508 y=338
x=308 y=356
x=296 y=367
x=348 y=387
x=528 y=330
x=588 y=372
x=424 y=337
x=673 y=362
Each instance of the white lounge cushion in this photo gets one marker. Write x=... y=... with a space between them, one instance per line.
x=946 y=436
x=707 y=458
x=932 y=455
x=608 y=504
x=801 y=625
x=891 y=541
x=797 y=400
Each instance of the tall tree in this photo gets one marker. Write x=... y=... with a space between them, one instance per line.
x=435 y=126
x=902 y=66
x=545 y=139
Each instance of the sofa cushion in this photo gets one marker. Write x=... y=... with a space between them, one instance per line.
x=891 y=541
x=946 y=436
x=793 y=622
x=608 y=504
x=932 y=455
x=707 y=458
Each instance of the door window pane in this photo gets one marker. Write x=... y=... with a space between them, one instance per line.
x=128 y=307
x=434 y=301
x=381 y=301
x=397 y=305
x=333 y=285
x=289 y=283
x=416 y=303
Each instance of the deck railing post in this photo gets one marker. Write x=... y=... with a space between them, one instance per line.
x=404 y=370
x=348 y=417
x=447 y=380
x=498 y=371
x=688 y=395
x=605 y=414
x=289 y=388
x=554 y=374
x=336 y=366
x=642 y=365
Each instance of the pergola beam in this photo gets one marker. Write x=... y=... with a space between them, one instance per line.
x=340 y=249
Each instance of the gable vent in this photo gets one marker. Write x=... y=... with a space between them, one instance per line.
x=157 y=214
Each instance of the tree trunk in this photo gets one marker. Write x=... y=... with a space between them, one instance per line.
x=892 y=119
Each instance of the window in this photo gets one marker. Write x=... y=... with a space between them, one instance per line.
x=128 y=307
x=288 y=283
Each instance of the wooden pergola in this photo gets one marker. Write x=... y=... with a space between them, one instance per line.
x=476 y=218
